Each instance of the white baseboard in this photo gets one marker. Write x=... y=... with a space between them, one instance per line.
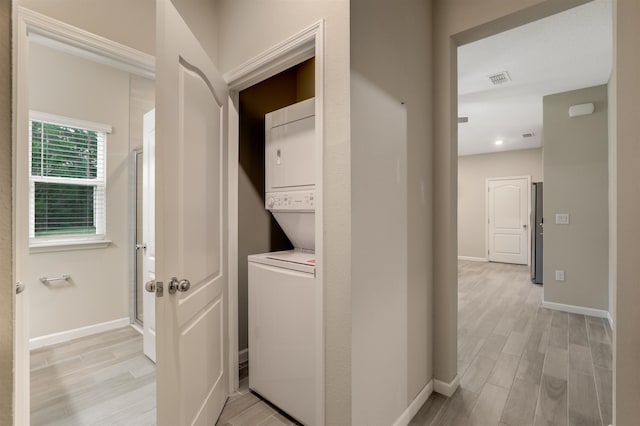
x=576 y=309
x=137 y=327
x=64 y=336
x=415 y=405
x=243 y=356
x=444 y=388
x=474 y=259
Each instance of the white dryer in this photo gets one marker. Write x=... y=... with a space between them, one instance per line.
x=283 y=293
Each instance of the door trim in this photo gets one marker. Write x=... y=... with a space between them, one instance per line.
x=486 y=214
x=304 y=45
x=48 y=31
x=133 y=259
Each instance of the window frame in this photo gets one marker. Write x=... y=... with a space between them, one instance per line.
x=71 y=241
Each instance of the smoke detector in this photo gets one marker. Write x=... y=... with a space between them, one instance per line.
x=528 y=135
x=500 y=78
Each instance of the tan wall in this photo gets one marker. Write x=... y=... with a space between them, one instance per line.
x=201 y=17
x=473 y=170
x=271 y=22
x=7 y=286
x=258 y=232
x=457 y=22
x=390 y=199
x=65 y=85
x=626 y=388
x=128 y=22
x=143 y=100
x=575 y=170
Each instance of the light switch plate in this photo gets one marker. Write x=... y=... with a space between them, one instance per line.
x=562 y=218
x=559 y=275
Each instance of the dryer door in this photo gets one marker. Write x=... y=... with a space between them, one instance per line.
x=290 y=147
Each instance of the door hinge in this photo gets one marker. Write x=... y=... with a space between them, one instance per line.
x=488 y=252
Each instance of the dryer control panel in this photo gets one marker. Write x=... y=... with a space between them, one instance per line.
x=290 y=201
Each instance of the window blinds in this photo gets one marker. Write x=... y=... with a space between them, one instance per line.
x=67 y=179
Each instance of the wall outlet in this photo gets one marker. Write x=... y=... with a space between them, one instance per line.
x=559 y=275
x=562 y=218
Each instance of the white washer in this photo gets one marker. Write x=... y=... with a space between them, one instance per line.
x=282 y=317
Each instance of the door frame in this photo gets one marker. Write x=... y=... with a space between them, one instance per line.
x=26 y=24
x=299 y=47
x=133 y=240
x=486 y=203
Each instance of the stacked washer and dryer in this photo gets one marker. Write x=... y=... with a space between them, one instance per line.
x=283 y=343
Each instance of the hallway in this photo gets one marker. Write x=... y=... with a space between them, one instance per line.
x=520 y=364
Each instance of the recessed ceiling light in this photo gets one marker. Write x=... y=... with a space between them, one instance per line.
x=499 y=142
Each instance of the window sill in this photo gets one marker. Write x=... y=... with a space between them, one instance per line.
x=61 y=245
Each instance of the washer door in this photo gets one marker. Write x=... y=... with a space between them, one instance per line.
x=282 y=340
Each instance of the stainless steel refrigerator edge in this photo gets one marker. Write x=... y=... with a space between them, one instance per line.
x=537 y=225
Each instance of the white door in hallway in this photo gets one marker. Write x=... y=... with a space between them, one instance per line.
x=508 y=219
x=191 y=227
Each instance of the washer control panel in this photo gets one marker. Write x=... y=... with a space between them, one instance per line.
x=290 y=201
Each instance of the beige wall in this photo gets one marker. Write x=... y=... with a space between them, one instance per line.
x=626 y=388
x=143 y=99
x=258 y=232
x=7 y=286
x=201 y=17
x=65 y=85
x=575 y=169
x=129 y=22
x=473 y=170
x=390 y=199
x=272 y=22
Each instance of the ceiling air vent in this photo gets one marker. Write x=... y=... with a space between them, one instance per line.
x=528 y=135
x=500 y=78
x=463 y=120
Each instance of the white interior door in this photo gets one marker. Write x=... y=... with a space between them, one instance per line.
x=191 y=231
x=148 y=232
x=508 y=218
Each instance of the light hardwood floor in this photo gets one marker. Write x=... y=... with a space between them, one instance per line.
x=520 y=364
x=105 y=379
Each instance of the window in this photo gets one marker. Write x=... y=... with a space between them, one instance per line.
x=67 y=183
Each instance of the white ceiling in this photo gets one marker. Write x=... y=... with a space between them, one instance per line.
x=567 y=51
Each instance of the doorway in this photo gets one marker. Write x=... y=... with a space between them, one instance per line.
x=505 y=320
x=74 y=170
x=303 y=50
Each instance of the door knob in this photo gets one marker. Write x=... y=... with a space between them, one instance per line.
x=19 y=287
x=178 y=285
x=153 y=286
